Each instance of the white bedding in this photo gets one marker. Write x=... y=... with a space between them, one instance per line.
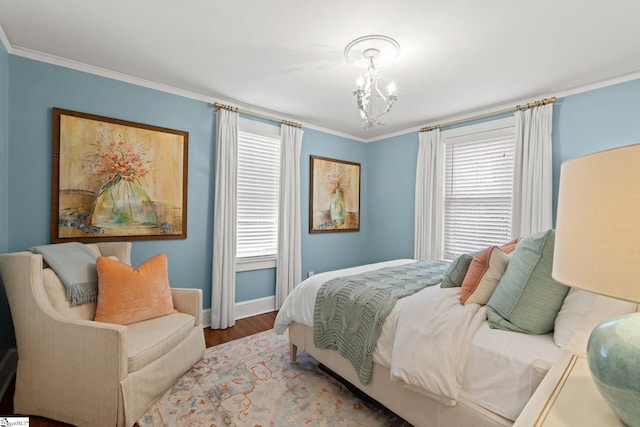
x=498 y=373
x=492 y=367
x=434 y=331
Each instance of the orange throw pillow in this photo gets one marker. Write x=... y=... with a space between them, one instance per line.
x=483 y=276
x=510 y=246
x=129 y=295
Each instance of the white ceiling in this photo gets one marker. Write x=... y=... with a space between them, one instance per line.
x=285 y=57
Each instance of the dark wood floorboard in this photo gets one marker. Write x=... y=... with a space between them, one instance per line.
x=212 y=337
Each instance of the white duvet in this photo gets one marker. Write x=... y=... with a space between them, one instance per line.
x=432 y=340
x=426 y=341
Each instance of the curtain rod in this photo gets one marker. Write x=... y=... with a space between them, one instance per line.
x=493 y=113
x=236 y=109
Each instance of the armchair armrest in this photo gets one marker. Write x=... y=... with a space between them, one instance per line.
x=188 y=300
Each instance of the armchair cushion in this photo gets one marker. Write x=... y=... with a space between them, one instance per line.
x=127 y=295
x=151 y=339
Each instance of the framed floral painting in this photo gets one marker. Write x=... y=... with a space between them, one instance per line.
x=334 y=196
x=116 y=180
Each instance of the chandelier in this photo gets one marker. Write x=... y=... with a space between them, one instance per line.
x=371 y=102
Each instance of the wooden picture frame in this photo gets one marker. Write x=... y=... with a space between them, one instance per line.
x=115 y=180
x=334 y=196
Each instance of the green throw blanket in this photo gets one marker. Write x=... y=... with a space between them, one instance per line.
x=349 y=311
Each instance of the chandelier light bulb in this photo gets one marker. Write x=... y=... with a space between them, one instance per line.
x=360 y=81
x=391 y=88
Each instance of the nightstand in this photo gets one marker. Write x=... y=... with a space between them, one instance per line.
x=568 y=397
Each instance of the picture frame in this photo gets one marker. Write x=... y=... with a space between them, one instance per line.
x=334 y=195
x=116 y=180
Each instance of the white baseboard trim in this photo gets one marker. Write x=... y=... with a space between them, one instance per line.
x=205 y=318
x=255 y=306
x=245 y=309
x=8 y=367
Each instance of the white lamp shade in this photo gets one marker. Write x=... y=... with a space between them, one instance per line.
x=597 y=245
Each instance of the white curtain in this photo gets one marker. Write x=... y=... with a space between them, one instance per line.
x=224 y=223
x=532 y=177
x=429 y=210
x=288 y=266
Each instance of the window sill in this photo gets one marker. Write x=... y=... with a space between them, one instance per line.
x=248 y=264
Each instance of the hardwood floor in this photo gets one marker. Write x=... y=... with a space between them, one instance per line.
x=212 y=337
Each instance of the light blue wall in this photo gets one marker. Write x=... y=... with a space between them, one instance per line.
x=330 y=251
x=392 y=180
x=593 y=121
x=37 y=87
x=4 y=148
x=6 y=334
x=583 y=123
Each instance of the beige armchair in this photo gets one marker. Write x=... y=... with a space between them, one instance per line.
x=87 y=373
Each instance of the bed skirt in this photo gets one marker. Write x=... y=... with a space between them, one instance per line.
x=416 y=408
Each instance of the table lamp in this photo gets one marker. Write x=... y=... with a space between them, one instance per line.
x=597 y=248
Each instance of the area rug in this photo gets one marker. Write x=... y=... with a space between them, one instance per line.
x=251 y=382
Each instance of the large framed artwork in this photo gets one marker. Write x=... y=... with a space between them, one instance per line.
x=334 y=196
x=115 y=180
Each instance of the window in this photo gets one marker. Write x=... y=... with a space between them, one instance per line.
x=257 y=195
x=478 y=169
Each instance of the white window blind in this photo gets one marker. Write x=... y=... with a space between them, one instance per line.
x=257 y=195
x=478 y=187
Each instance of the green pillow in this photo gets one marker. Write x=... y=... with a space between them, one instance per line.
x=527 y=299
x=457 y=270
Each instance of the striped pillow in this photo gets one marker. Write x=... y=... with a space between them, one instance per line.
x=483 y=276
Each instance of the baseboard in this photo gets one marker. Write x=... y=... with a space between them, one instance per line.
x=8 y=366
x=255 y=306
x=245 y=309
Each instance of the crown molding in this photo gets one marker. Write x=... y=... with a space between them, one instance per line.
x=599 y=84
x=103 y=72
x=5 y=40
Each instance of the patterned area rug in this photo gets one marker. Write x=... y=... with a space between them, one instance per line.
x=251 y=382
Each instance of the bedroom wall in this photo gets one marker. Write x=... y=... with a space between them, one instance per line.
x=6 y=336
x=593 y=121
x=330 y=251
x=36 y=87
x=391 y=196
x=583 y=123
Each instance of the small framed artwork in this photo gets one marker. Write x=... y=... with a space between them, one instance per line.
x=334 y=196
x=115 y=180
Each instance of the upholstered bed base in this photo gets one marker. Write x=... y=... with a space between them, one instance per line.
x=416 y=408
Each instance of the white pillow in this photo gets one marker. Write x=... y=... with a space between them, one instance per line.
x=582 y=311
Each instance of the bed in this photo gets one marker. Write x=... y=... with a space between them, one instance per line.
x=469 y=374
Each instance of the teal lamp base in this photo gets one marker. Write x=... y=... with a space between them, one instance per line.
x=613 y=354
